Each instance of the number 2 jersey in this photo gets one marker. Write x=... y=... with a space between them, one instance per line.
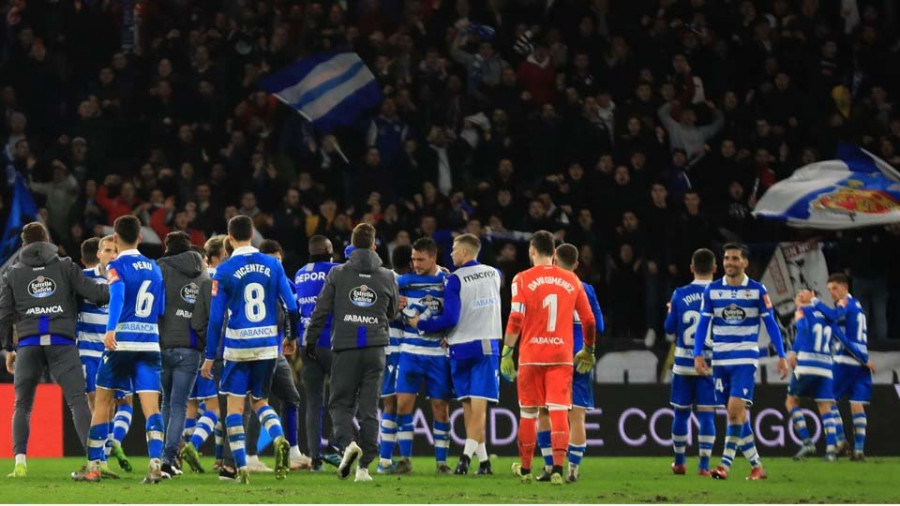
x=136 y=301
x=249 y=285
x=682 y=320
x=544 y=301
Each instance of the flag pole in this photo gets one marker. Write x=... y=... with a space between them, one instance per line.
x=305 y=116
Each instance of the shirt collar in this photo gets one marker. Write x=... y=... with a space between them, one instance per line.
x=129 y=252
x=702 y=282
x=245 y=250
x=744 y=282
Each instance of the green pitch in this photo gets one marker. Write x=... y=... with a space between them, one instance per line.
x=604 y=479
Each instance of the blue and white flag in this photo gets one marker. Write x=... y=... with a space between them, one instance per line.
x=330 y=89
x=22 y=211
x=857 y=189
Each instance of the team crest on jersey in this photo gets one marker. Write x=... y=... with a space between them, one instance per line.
x=363 y=296
x=734 y=314
x=41 y=287
x=189 y=292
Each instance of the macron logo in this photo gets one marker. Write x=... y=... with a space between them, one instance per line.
x=354 y=318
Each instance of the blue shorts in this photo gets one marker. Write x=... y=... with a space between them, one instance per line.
x=90 y=365
x=203 y=389
x=812 y=386
x=130 y=371
x=688 y=391
x=583 y=390
x=389 y=385
x=734 y=381
x=477 y=377
x=852 y=381
x=253 y=377
x=412 y=369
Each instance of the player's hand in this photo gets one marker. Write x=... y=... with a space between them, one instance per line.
x=402 y=302
x=110 y=340
x=585 y=360
x=508 y=364
x=870 y=365
x=206 y=369
x=792 y=360
x=11 y=362
x=414 y=322
x=701 y=366
x=288 y=347
x=311 y=349
x=783 y=369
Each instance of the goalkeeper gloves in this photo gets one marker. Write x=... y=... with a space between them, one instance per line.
x=508 y=364
x=585 y=360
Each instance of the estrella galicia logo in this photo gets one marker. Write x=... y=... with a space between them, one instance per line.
x=734 y=314
x=433 y=304
x=363 y=296
x=189 y=292
x=41 y=287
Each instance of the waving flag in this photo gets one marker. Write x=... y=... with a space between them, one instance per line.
x=857 y=189
x=329 y=89
x=22 y=211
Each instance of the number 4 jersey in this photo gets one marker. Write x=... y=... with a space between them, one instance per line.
x=682 y=320
x=136 y=301
x=249 y=285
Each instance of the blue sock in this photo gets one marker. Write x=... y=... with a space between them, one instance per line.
x=576 y=453
x=859 y=429
x=234 y=426
x=680 y=434
x=748 y=445
x=441 y=441
x=800 y=429
x=830 y=432
x=707 y=437
x=405 y=435
x=96 y=441
x=289 y=417
x=219 y=439
x=269 y=420
x=189 y=425
x=155 y=436
x=388 y=435
x=839 y=423
x=545 y=443
x=204 y=426
x=732 y=439
x=122 y=422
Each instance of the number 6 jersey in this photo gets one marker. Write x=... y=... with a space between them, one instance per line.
x=136 y=301
x=248 y=285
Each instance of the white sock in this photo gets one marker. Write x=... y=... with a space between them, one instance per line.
x=252 y=459
x=470 y=447
x=295 y=452
x=481 y=452
x=20 y=459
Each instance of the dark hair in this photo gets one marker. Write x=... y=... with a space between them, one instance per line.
x=320 y=245
x=240 y=228
x=214 y=246
x=128 y=228
x=703 y=261
x=426 y=245
x=543 y=242
x=401 y=258
x=228 y=245
x=566 y=255
x=745 y=252
x=363 y=236
x=840 y=278
x=270 y=247
x=199 y=250
x=177 y=242
x=34 y=232
x=89 y=249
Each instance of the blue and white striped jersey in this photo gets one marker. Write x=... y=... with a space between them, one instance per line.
x=735 y=313
x=90 y=329
x=425 y=297
x=813 y=343
x=136 y=301
x=682 y=320
x=249 y=286
x=851 y=320
x=577 y=331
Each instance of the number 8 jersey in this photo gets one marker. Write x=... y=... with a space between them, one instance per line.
x=249 y=285
x=682 y=320
x=138 y=281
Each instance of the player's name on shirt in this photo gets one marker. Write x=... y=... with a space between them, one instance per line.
x=242 y=271
x=551 y=280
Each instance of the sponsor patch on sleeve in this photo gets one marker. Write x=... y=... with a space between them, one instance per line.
x=767 y=301
x=215 y=288
x=112 y=276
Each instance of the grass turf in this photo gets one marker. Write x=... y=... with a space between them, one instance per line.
x=603 y=479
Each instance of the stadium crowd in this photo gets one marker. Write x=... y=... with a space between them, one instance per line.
x=637 y=130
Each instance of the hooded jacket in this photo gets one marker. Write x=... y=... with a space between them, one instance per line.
x=183 y=275
x=38 y=295
x=363 y=297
